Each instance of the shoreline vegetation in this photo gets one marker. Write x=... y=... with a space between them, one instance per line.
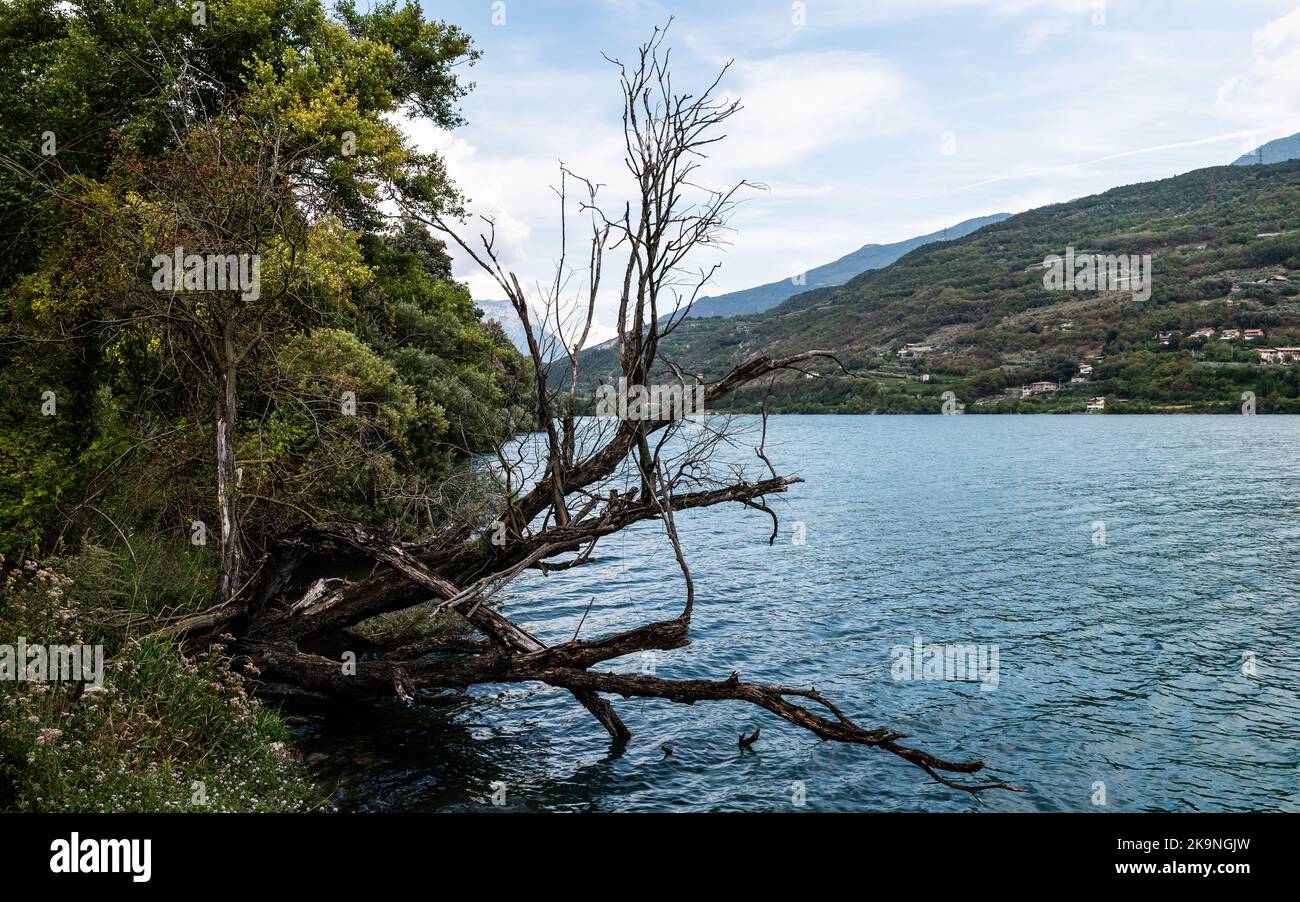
x=318 y=361
x=169 y=730
x=1063 y=407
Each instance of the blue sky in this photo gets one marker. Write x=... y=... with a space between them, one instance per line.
x=868 y=121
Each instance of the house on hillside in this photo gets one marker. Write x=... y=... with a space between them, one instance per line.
x=1229 y=334
x=1085 y=369
x=1038 y=388
x=1096 y=404
x=1287 y=355
x=913 y=350
x=1202 y=333
x=1252 y=334
x=1284 y=356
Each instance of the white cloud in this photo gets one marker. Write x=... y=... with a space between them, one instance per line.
x=769 y=26
x=513 y=182
x=1038 y=33
x=479 y=180
x=800 y=104
x=1269 y=91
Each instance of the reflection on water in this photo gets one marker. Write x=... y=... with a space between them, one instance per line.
x=1119 y=663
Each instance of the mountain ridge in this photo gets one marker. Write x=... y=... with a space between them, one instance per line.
x=828 y=275
x=1279 y=150
x=503 y=314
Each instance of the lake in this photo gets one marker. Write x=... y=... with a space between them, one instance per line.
x=1135 y=577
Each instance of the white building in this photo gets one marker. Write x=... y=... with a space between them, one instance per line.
x=1278 y=355
x=1037 y=388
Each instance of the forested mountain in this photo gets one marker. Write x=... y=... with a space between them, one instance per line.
x=1225 y=249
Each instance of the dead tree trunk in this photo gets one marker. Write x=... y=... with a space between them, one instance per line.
x=594 y=478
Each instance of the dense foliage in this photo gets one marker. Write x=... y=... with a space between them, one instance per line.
x=350 y=380
x=160 y=126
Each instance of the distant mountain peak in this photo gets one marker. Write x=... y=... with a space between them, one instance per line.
x=503 y=313
x=867 y=257
x=1277 y=151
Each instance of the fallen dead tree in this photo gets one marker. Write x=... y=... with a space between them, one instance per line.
x=586 y=479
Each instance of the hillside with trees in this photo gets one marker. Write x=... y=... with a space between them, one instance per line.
x=1225 y=249
x=837 y=272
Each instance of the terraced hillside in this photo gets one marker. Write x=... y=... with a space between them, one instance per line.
x=1225 y=253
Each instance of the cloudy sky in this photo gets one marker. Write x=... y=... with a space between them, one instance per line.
x=868 y=120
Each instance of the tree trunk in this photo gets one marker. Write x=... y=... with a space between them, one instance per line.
x=227 y=476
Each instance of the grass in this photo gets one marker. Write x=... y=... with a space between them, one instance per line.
x=170 y=731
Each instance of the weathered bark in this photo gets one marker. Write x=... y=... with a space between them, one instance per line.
x=565 y=666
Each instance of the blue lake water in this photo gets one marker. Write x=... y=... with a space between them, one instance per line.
x=1162 y=663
